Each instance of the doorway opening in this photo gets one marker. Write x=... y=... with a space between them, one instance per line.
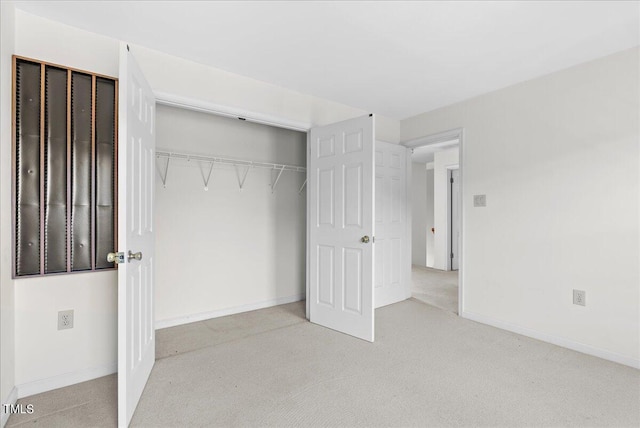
x=436 y=228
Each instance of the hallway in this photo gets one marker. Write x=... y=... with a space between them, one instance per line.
x=435 y=287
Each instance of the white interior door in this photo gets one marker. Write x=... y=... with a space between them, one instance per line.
x=391 y=279
x=454 y=221
x=136 y=160
x=341 y=226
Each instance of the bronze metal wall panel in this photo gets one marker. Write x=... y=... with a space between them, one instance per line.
x=55 y=221
x=81 y=180
x=27 y=151
x=65 y=169
x=105 y=158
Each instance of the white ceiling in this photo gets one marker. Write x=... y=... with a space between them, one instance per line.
x=397 y=59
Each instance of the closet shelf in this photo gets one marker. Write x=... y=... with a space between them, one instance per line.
x=228 y=161
x=244 y=164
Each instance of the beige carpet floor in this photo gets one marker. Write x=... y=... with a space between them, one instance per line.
x=435 y=287
x=427 y=367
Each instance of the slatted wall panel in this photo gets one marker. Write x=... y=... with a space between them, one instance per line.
x=65 y=153
x=105 y=162
x=81 y=178
x=55 y=143
x=27 y=154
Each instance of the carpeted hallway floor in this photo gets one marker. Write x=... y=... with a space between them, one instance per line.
x=435 y=287
x=427 y=367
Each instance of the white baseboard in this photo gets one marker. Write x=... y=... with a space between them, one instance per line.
x=172 y=322
x=11 y=399
x=555 y=340
x=55 y=382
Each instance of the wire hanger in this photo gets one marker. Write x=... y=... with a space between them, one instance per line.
x=163 y=177
x=244 y=176
x=206 y=180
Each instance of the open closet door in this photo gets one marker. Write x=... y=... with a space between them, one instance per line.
x=136 y=236
x=392 y=266
x=341 y=226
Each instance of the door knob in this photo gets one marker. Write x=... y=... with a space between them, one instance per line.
x=364 y=239
x=115 y=257
x=134 y=256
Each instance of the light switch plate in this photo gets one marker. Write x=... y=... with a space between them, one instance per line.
x=479 y=200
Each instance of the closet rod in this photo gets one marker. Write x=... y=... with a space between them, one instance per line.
x=229 y=161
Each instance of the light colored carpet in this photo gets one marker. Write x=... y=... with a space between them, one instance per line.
x=435 y=287
x=427 y=367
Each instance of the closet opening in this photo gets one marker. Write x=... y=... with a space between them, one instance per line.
x=230 y=217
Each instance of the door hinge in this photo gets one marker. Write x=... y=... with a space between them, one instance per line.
x=451 y=255
x=451 y=180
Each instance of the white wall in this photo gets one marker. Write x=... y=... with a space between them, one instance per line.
x=443 y=161
x=7 y=338
x=41 y=39
x=88 y=350
x=558 y=160
x=419 y=214
x=179 y=76
x=84 y=352
x=429 y=218
x=227 y=248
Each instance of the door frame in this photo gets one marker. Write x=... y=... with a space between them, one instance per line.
x=450 y=170
x=435 y=139
x=195 y=104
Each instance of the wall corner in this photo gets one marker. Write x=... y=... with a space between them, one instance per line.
x=7 y=300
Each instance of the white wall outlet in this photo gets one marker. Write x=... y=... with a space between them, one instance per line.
x=580 y=297
x=65 y=319
x=479 y=200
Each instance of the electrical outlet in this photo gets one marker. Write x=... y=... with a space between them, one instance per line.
x=580 y=297
x=65 y=319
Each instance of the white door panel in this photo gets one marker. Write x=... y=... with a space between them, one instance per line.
x=392 y=282
x=136 y=157
x=340 y=190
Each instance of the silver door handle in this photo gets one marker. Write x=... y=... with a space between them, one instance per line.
x=115 y=257
x=134 y=256
x=364 y=239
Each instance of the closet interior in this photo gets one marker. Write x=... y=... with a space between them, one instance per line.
x=230 y=215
